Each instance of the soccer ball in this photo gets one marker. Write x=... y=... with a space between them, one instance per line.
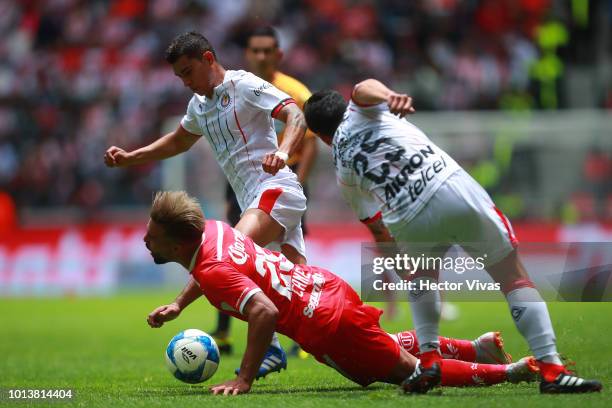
x=192 y=356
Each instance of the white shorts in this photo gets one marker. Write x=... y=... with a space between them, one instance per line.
x=286 y=205
x=459 y=213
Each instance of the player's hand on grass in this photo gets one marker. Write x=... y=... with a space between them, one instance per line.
x=116 y=157
x=400 y=104
x=232 y=387
x=163 y=314
x=272 y=163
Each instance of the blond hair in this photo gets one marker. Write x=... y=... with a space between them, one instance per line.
x=179 y=214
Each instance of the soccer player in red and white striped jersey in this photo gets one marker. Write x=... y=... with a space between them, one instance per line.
x=234 y=111
x=395 y=178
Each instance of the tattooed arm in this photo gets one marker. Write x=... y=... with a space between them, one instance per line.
x=294 y=132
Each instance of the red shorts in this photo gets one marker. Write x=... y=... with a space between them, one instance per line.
x=359 y=349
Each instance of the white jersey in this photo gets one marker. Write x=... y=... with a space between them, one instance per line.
x=238 y=123
x=386 y=164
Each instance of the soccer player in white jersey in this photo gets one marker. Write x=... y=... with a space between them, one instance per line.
x=234 y=110
x=388 y=168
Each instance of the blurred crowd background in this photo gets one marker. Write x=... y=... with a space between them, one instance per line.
x=78 y=76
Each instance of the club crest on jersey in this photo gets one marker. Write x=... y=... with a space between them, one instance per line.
x=224 y=102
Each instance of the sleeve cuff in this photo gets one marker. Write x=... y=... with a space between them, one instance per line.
x=372 y=219
x=246 y=298
x=281 y=105
x=189 y=131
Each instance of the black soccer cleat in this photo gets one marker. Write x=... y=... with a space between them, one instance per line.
x=225 y=348
x=422 y=379
x=565 y=383
x=224 y=343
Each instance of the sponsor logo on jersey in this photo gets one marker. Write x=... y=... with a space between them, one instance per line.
x=315 y=296
x=401 y=176
x=236 y=250
x=418 y=186
x=259 y=90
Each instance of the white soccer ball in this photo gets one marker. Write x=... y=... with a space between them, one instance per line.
x=192 y=356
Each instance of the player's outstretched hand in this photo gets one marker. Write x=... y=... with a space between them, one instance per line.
x=272 y=163
x=232 y=387
x=400 y=104
x=116 y=157
x=163 y=314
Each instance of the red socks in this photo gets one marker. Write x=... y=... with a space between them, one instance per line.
x=450 y=348
x=457 y=373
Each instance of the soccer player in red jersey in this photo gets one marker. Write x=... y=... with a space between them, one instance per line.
x=311 y=305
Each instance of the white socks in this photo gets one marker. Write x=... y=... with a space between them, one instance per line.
x=527 y=308
x=275 y=341
x=532 y=320
x=425 y=306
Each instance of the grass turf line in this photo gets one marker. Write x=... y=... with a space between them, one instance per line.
x=103 y=349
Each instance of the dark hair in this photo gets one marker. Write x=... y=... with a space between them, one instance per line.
x=263 y=31
x=191 y=44
x=324 y=111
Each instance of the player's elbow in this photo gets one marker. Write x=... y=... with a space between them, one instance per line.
x=296 y=116
x=361 y=85
x=358 y=86
x=370 y=91
x=265 y=312
x=271 y=313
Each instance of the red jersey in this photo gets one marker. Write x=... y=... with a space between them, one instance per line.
x=230 y=268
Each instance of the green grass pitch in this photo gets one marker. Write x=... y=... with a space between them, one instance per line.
x=103 y=349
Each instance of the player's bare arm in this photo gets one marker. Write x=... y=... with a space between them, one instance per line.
x=169 y=145
x=261 y=315
x=165 y=313
x=380 y=233
x=190 y=293
x=385 y=242
x=373 y=92
x=294 y=133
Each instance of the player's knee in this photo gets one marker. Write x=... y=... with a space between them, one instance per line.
x=403 y=369
x=510 y=273
x=259 y=226
x=293 y=255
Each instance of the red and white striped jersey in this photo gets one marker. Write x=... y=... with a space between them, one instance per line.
x=386 y=164
x=238 y=122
